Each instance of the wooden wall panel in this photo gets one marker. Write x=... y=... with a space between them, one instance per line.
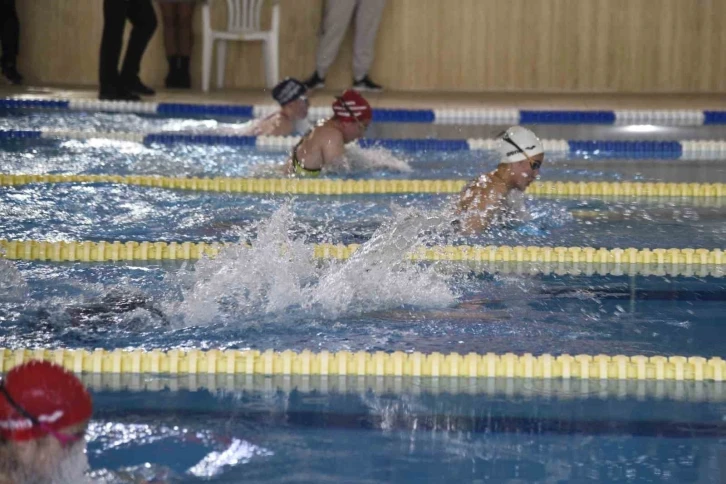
x=443 y=45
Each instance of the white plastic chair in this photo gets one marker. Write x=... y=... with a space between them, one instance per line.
x=243 y=25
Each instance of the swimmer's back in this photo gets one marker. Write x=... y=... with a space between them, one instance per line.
x=323 y=145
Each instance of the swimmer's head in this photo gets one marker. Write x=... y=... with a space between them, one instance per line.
x=518 y=143
x=522 y=155
x=290 y=94
x=353 y=113
x=41 y=399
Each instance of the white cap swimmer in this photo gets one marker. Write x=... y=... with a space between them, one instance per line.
x=518 y=144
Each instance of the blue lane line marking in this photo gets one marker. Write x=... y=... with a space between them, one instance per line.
x=33 y=104
x=205 y=109
x=381 y=115
x=633 y=149
x=567 y=117
x=16 y=133
x=417 y=144
x=205 y=139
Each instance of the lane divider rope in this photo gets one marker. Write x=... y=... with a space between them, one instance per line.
x=325 y=186
x=562 y=389
x=400 y=364
x=100 y=251
x=465 y=115
x=642 y=149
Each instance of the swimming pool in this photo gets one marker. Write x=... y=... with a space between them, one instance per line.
x=368 y=428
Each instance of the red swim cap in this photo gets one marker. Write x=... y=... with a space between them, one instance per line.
x=352 y=106
x=52 y=395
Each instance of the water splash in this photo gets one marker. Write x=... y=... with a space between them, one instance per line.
x=278 y=279
x=239 y=452
x=372 y=159
x=355 y=160
x=13 y=286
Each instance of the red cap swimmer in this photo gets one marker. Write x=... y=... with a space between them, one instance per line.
x=40 y=398
x=352 y=107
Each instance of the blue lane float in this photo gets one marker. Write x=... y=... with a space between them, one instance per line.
x=714 y=117
x=567 y=117
x=416 y=144
x=631 y=149
x=20 y=134
x=404 y=116
x=200 y=139
x=639 y=149
x=483 y=116
x=179 y=109
x=9 y=103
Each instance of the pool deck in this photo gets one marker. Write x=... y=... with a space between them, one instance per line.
x=415 y=100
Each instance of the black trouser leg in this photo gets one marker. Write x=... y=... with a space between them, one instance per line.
x=143 y=18
x=114 y=20
x=10 y=32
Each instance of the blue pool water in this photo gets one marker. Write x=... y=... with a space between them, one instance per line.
x=268 y=429
x=353 y=435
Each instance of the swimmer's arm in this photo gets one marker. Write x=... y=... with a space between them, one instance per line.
x=273 y=125
x=283 y=127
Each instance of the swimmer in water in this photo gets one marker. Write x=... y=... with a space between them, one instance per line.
x=324 y=146
x=111 y=308
x=293 y=113
x=491 y=198
x=44 y=415
x=115 y=303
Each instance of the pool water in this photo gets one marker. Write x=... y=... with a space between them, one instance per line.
x=267 y=429
x=363 y=434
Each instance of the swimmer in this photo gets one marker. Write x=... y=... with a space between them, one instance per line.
x=116 y=302
x=44 y=415
x=324 y=146
x=293 y=113
x=491 y=198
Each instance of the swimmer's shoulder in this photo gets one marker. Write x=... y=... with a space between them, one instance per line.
x=325 y=130
x=484 y=186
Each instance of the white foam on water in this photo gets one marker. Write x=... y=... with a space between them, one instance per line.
x=239 y=452
x=278 y=279
x=354 y=160
x=12 y=284
x=359 y=159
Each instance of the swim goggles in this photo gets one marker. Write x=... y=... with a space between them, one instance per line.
x=533 y=164
x=362 y=126
x=64 y=439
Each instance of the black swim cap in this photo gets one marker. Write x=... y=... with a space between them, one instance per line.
x=288 y=90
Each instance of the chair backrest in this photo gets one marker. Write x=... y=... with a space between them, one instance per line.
x=244 y=15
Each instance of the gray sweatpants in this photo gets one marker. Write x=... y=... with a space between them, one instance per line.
x=335 y=22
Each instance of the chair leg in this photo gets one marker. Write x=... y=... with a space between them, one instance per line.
x=221 y=62
x=207 y=51
x=272 y=59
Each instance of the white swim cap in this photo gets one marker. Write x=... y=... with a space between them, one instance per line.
x=511 y=143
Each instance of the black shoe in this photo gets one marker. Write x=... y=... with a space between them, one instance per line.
x=12 y=75
x=314 y=81
x=117 y=94
x=185 y=78
x=366 y=84
x=172 y=78
x=137 y=87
